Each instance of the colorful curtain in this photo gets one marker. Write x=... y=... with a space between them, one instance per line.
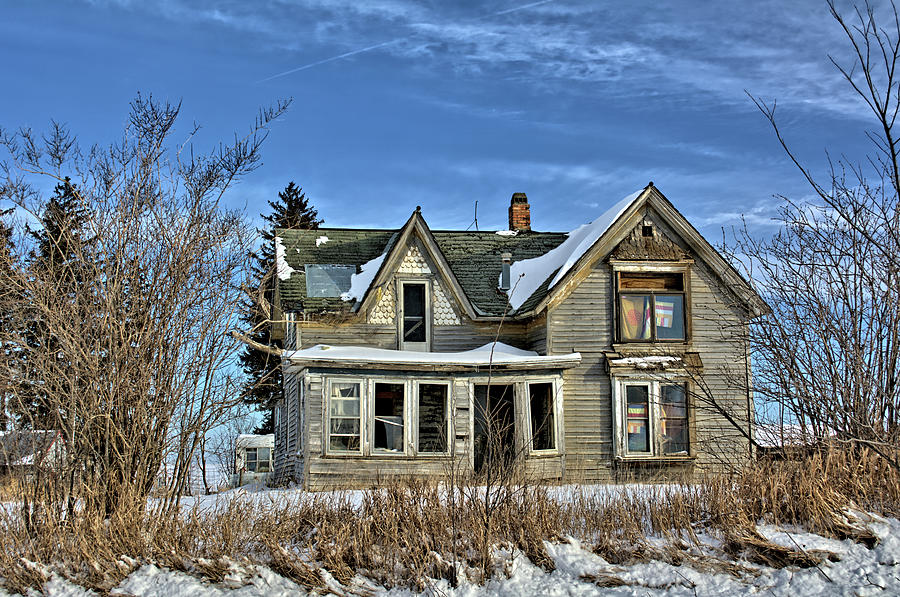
x=665 y=313
x=636 y=317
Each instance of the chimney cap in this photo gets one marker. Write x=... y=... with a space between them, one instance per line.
x=519 y=198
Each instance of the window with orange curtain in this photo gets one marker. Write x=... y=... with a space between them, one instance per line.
x=651 y=306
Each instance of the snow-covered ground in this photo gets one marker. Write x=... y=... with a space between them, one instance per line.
x=858 y=571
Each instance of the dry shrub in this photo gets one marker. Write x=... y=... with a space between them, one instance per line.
x=816 y=492
x=412 y=533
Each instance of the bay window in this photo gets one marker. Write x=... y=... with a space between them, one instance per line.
x=385 y=417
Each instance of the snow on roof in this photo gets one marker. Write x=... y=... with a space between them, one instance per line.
x=360 y=282
x=282 y=268
x=248 y=440
x=527 y=275
x=650 y=362
x=503 y=354
x=321 y=240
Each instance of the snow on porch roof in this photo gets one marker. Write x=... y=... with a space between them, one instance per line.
x=504 y=357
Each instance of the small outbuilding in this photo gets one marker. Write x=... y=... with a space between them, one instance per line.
x=252 y=459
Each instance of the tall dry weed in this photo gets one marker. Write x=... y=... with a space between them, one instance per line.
x=410 y=534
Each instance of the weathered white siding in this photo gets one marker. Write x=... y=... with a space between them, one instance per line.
x=584 y=322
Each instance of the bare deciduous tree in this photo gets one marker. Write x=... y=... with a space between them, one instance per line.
x=828 y=357
x=135 y=365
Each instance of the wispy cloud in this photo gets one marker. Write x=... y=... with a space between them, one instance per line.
x=684 y=52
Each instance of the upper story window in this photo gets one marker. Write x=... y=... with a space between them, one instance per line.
x=415 y=320
x=651 y=306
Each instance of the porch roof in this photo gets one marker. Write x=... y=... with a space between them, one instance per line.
x=502 y=357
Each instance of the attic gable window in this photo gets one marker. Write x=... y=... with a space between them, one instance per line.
x=415 y=318
x=651 y=306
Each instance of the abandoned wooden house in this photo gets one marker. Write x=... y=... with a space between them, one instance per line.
x=616 y=351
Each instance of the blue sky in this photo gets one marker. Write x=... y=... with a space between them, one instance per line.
x=441 y=104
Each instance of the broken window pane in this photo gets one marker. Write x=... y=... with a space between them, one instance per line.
x=414 y=313
x=673 y=420
x=542 y=422
x=389 y=399
x=494 y=431
x=328 y=281
x=637 y=418
x=432 y=417
x=651 y=281
x=344 y=430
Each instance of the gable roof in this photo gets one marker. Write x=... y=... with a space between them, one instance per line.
x=543 y=262
x=472 y=258
x=415 y=227
x=618 y=227
x=531 y=275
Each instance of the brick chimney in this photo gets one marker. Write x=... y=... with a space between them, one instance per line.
x=519 y=213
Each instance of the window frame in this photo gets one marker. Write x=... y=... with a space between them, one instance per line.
x=270 y=461
x=655 y=415
x=428 y=317
x=368 y=408
x=651 y=419
x=681 y=268
x=326 y=440
x=556 y=390
x=416 y=383
x=247 y=460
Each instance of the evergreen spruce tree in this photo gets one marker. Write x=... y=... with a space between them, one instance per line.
x=59 y=250
x=7 y=296
x=263 y=385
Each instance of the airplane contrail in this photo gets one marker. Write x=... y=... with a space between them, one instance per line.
x=387 y=43
x=523 y=7
x=332 y=59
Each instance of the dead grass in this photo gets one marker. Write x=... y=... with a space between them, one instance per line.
x=410 y=534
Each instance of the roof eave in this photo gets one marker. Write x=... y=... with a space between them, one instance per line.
x=558 y=362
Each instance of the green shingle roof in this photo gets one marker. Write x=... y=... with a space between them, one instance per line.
x=474 y=258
